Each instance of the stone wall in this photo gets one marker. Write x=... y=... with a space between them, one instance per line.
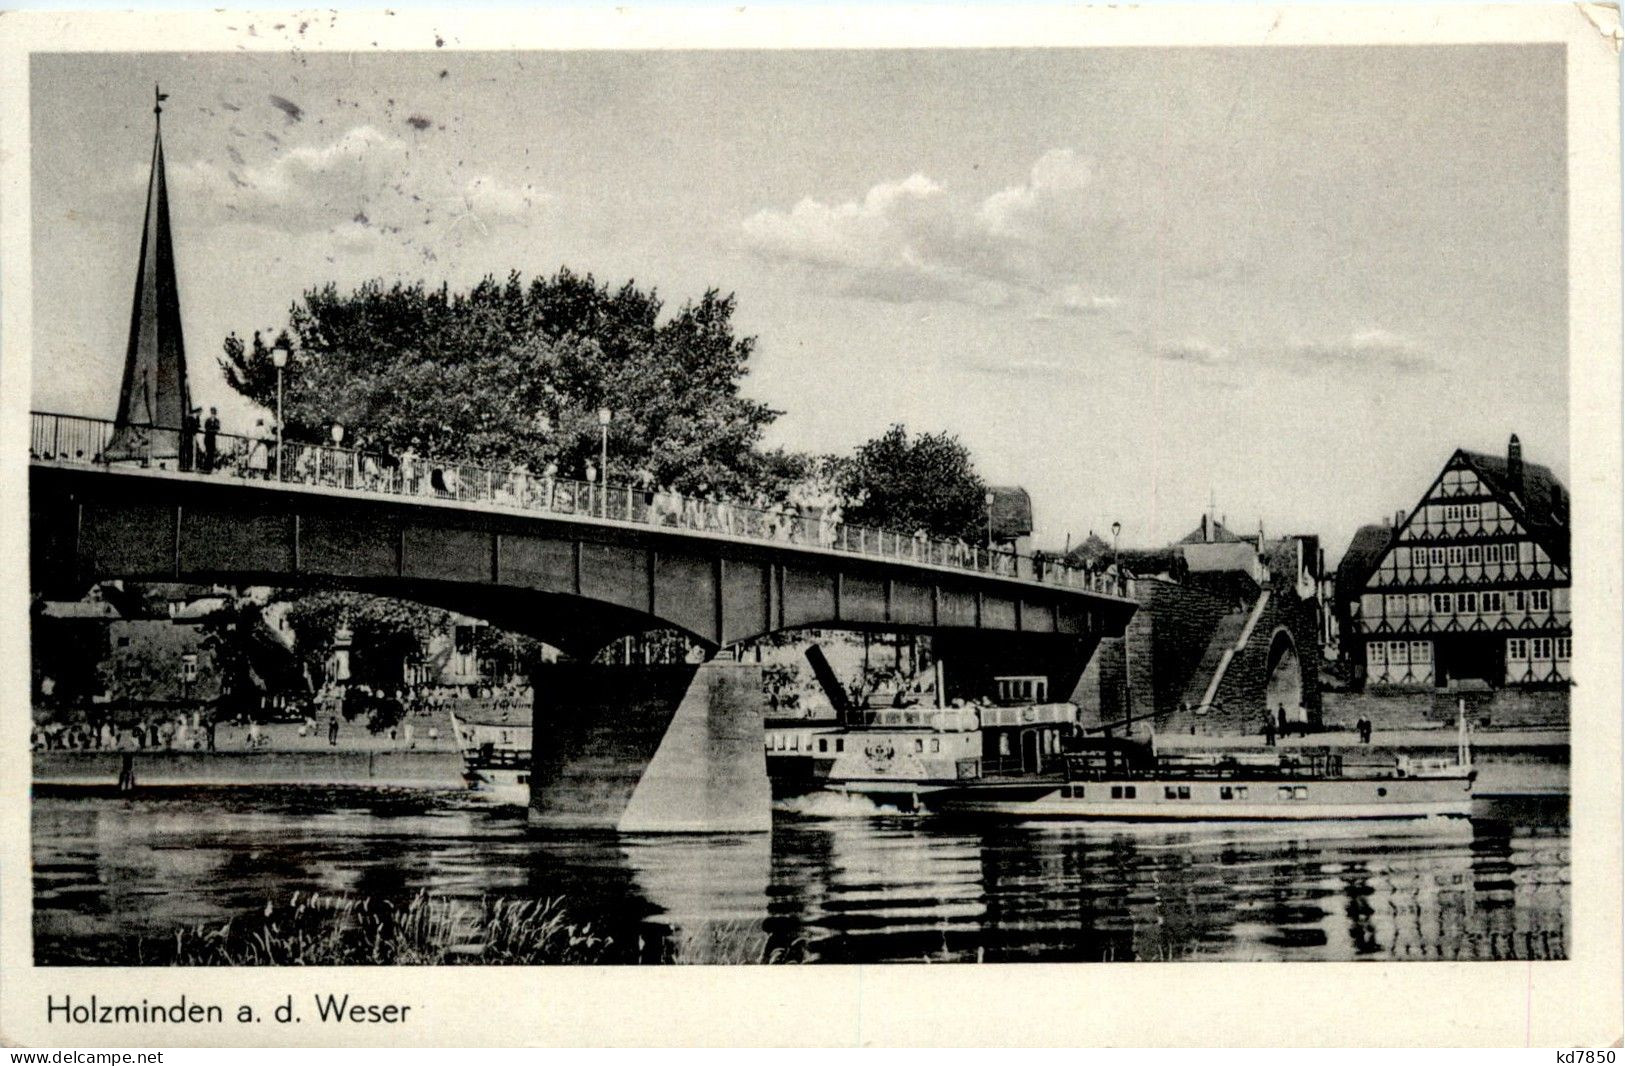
x=1394 y=708
x=1143 y=674
x=382 y=769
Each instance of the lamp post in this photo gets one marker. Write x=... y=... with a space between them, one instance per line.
x=603 y=458
x=279 y=359
x=337 y=434
x=988 y=501
x=1117 y=565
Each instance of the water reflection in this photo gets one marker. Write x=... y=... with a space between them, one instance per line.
x=850 y=889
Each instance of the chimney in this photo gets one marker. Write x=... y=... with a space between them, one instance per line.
x=1206 y=536
x=1515 y=464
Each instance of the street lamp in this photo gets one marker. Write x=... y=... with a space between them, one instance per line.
x=603 y=458
x=1117 y=565
x=279 y=359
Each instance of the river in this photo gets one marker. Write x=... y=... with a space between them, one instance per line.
x=849 y=888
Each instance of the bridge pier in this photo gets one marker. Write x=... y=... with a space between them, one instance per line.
x=656 y=749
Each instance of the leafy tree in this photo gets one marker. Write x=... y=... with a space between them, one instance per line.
x=928 y=482
x=510 y=372
x=384 y=633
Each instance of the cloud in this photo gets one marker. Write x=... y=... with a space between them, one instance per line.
x=362 y=187
x=1366 y=349
x=1194 y=350
x=1363 y=349
x=914 y=240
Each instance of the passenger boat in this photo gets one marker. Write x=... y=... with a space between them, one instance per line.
x=899 y=755
x=1031 y=760
x=1124 y=781
x=493 y=736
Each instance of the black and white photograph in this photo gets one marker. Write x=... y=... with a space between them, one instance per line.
x=777 y=507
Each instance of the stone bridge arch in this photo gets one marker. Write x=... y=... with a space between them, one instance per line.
x=1283 y=673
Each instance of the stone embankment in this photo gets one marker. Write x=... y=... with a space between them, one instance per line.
x=379 y=769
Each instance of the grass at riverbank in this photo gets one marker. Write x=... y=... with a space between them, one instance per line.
x=310 y=929
x=316 y=930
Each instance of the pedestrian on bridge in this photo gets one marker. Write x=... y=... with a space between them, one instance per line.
x=259 y=452
x=211 y=435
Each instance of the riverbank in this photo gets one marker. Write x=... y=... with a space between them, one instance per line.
x=317 y=766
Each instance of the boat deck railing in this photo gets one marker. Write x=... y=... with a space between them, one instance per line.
x=1093 y=767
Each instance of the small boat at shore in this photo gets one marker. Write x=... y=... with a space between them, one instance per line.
x=494 y=736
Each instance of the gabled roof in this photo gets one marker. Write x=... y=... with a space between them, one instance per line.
x=1541 y=505
x=1221 y=535
x=80 y=609
x=1091 y=551
x=1365 y=551
x=1012 y=512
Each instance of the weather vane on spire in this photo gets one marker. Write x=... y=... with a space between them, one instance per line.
x=158 y=99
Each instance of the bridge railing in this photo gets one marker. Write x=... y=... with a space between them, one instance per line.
x=73 y=439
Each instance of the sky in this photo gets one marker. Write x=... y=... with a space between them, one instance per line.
x=1289 y=280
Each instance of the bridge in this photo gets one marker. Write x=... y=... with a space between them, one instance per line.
x=574 y=564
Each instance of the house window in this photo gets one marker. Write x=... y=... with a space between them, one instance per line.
x=1519 y=600
x=823 y=745
x=1376 y=653
x=1284 y=792
x=936 y=745
x=1117 y=792
x=1455 y=556
x=1492 y=553
x=1472 y=553
x=1517 y=648
x=1300 y=792
x=1540 y=599
x=1564 y=647
x=1168 y=792
x=1395 y=606
x=1469 y=510
x=1466 y=602
x=1436 y=556
x=919 y=744
x=1452 y=512
x=1184 y=792
x=1441 y=603
x=1241 y=792
x=1421 y=651
x=124 y=642
x=1492 y=602
x=1419 y=604
x=1396 y=651
x=840 y=744
x=1540 y=648
x=1225 y=792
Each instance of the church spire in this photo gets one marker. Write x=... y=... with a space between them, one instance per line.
x=154 y=399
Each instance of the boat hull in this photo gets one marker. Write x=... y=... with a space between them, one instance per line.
x=1232 y=800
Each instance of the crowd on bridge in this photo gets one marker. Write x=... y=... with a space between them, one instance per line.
x=808 y=514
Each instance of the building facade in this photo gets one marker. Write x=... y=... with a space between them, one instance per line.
x=1471 y=586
